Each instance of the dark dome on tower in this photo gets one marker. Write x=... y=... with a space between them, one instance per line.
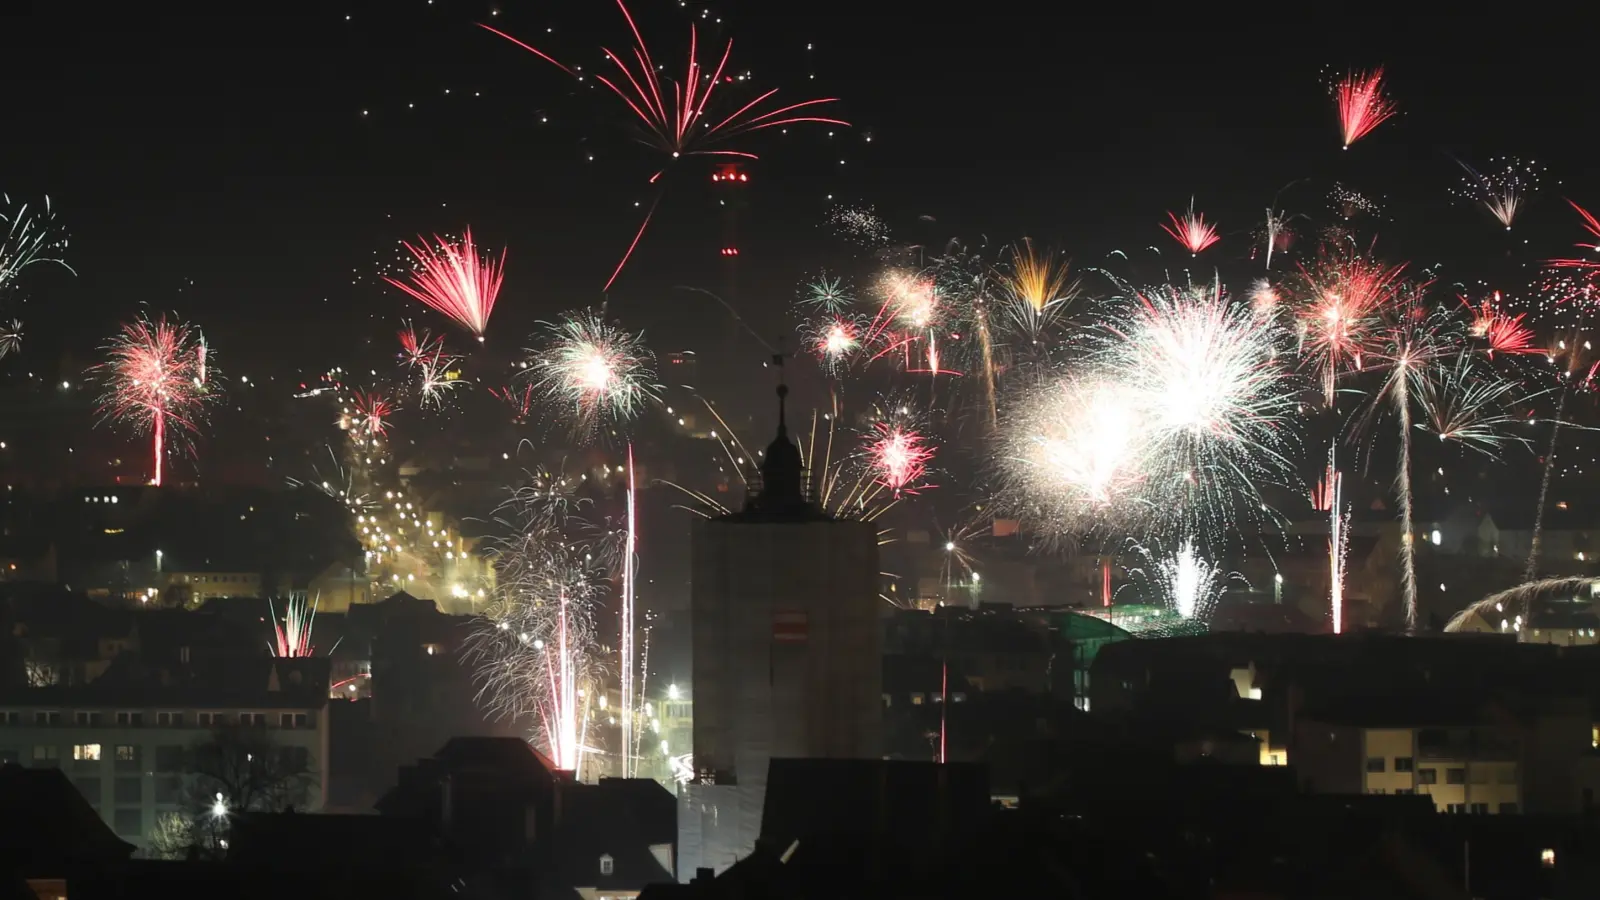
x=782 y=491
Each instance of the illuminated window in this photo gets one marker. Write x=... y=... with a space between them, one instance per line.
x=1547 y=858
x=607 y=864
x=86 y=752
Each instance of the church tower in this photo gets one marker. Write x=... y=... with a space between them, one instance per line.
x=788 y=659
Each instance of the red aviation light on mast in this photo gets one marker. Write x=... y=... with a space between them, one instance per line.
x=730 y=173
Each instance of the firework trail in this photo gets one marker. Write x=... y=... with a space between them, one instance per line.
x=535 y=650
x=1410 y=345
x=593 y=373
x=1532 y=569
x=292 y=635
x=1504 y=190
x=453 y=279
x=1362 y=104
x=1275 y=234
x=673 y=113
x=1329 y=498
x=1506 y=603
x=1186 y=582
x=1342 y=301
x=1191 y=230
x=152 y=384
x=630 y=710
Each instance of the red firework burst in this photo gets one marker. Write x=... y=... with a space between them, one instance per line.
x=370 y=418
x=674 y=113
x=1342 y=303
x=1191 y=230
x=155 y=378
x=1362 y=105
x=419 y=348
x=900 y=457
x=1503 y=333
x=453 y=279
x=1591 y=225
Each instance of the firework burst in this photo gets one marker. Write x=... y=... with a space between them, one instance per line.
x=1503 y=189
x=859 y=225
x=909 y=321
x=337 y=483
x=1501 y=333
x=1362 y=104
x=1216 y=404
x=29 y=238
x=1342 y=299
x=674 y=114
x=153 y=384
x=291 y=637
x=1591 y=225
x=834 y=340
x=1185 y=582
x=1035 y=288
x=424 y=357
x=827 y=294
x=1073 y=452
x=10 y=337
x=367 y=418
x=535 y=652
x=595 y=374
x=897 y=451
x=1469 y=403
x=1191 y=230
x=452 y=278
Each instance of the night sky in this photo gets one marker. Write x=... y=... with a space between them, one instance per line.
x=220 y=163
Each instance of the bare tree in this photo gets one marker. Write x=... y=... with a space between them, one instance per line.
x=235 y=769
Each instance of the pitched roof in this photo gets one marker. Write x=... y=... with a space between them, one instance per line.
x=60 y=828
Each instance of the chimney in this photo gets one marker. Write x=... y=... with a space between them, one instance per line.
x=703 y=875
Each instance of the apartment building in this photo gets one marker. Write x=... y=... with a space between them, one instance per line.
x=1476 y=758
x=125 y=741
